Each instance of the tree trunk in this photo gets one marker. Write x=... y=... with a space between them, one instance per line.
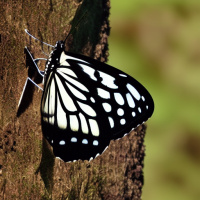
x=28 y=169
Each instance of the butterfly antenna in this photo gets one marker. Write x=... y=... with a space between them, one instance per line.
x=76 y=25
x=38 y=39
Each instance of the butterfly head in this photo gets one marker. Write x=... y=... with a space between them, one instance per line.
x=54 y=58
x=60 y=46
x=55 y=54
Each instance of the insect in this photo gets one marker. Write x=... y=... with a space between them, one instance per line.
x=87 y=103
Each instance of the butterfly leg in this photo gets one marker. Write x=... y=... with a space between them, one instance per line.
x=28 y=81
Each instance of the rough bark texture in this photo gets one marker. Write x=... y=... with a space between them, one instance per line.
x=28 y=169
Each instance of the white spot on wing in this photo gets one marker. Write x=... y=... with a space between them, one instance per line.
x=63 y=58
x=85 y=141
x=51 y=94
x=104 y=150
x=84 y=126
x=45 y=119
x=130 y=100
x=103 y=93
x=110 y=119
x=51 y=120
x=95 y=143
x=120 y=112
x=133 y=91
x=123 y=75
x=97 y=155
x=108 y=80
x=94 y=127
x=87 y=109
x=143 y=99
x=91 y=159
x=89 y=71
x=107 y=107
x=122 y=121
x=73 y=139
x=45 y=100
x=61 y=116
x=74 y=124
x=133 y=114
x=62 y=142
x=49 y=78
x=119 y=99
x=92 y=99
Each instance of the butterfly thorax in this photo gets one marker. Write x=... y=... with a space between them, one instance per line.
x=54 y=57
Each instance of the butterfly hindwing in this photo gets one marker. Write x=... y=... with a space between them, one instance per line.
x=87 y=103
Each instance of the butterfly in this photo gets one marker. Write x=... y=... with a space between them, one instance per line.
x=86 y=104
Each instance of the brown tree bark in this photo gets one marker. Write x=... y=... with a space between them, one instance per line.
x=28 y=169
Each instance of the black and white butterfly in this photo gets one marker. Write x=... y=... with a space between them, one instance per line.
x=87 y=103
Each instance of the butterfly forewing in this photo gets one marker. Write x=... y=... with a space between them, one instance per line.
x=87 y=103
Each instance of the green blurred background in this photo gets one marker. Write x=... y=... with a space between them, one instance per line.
x=158 y=43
